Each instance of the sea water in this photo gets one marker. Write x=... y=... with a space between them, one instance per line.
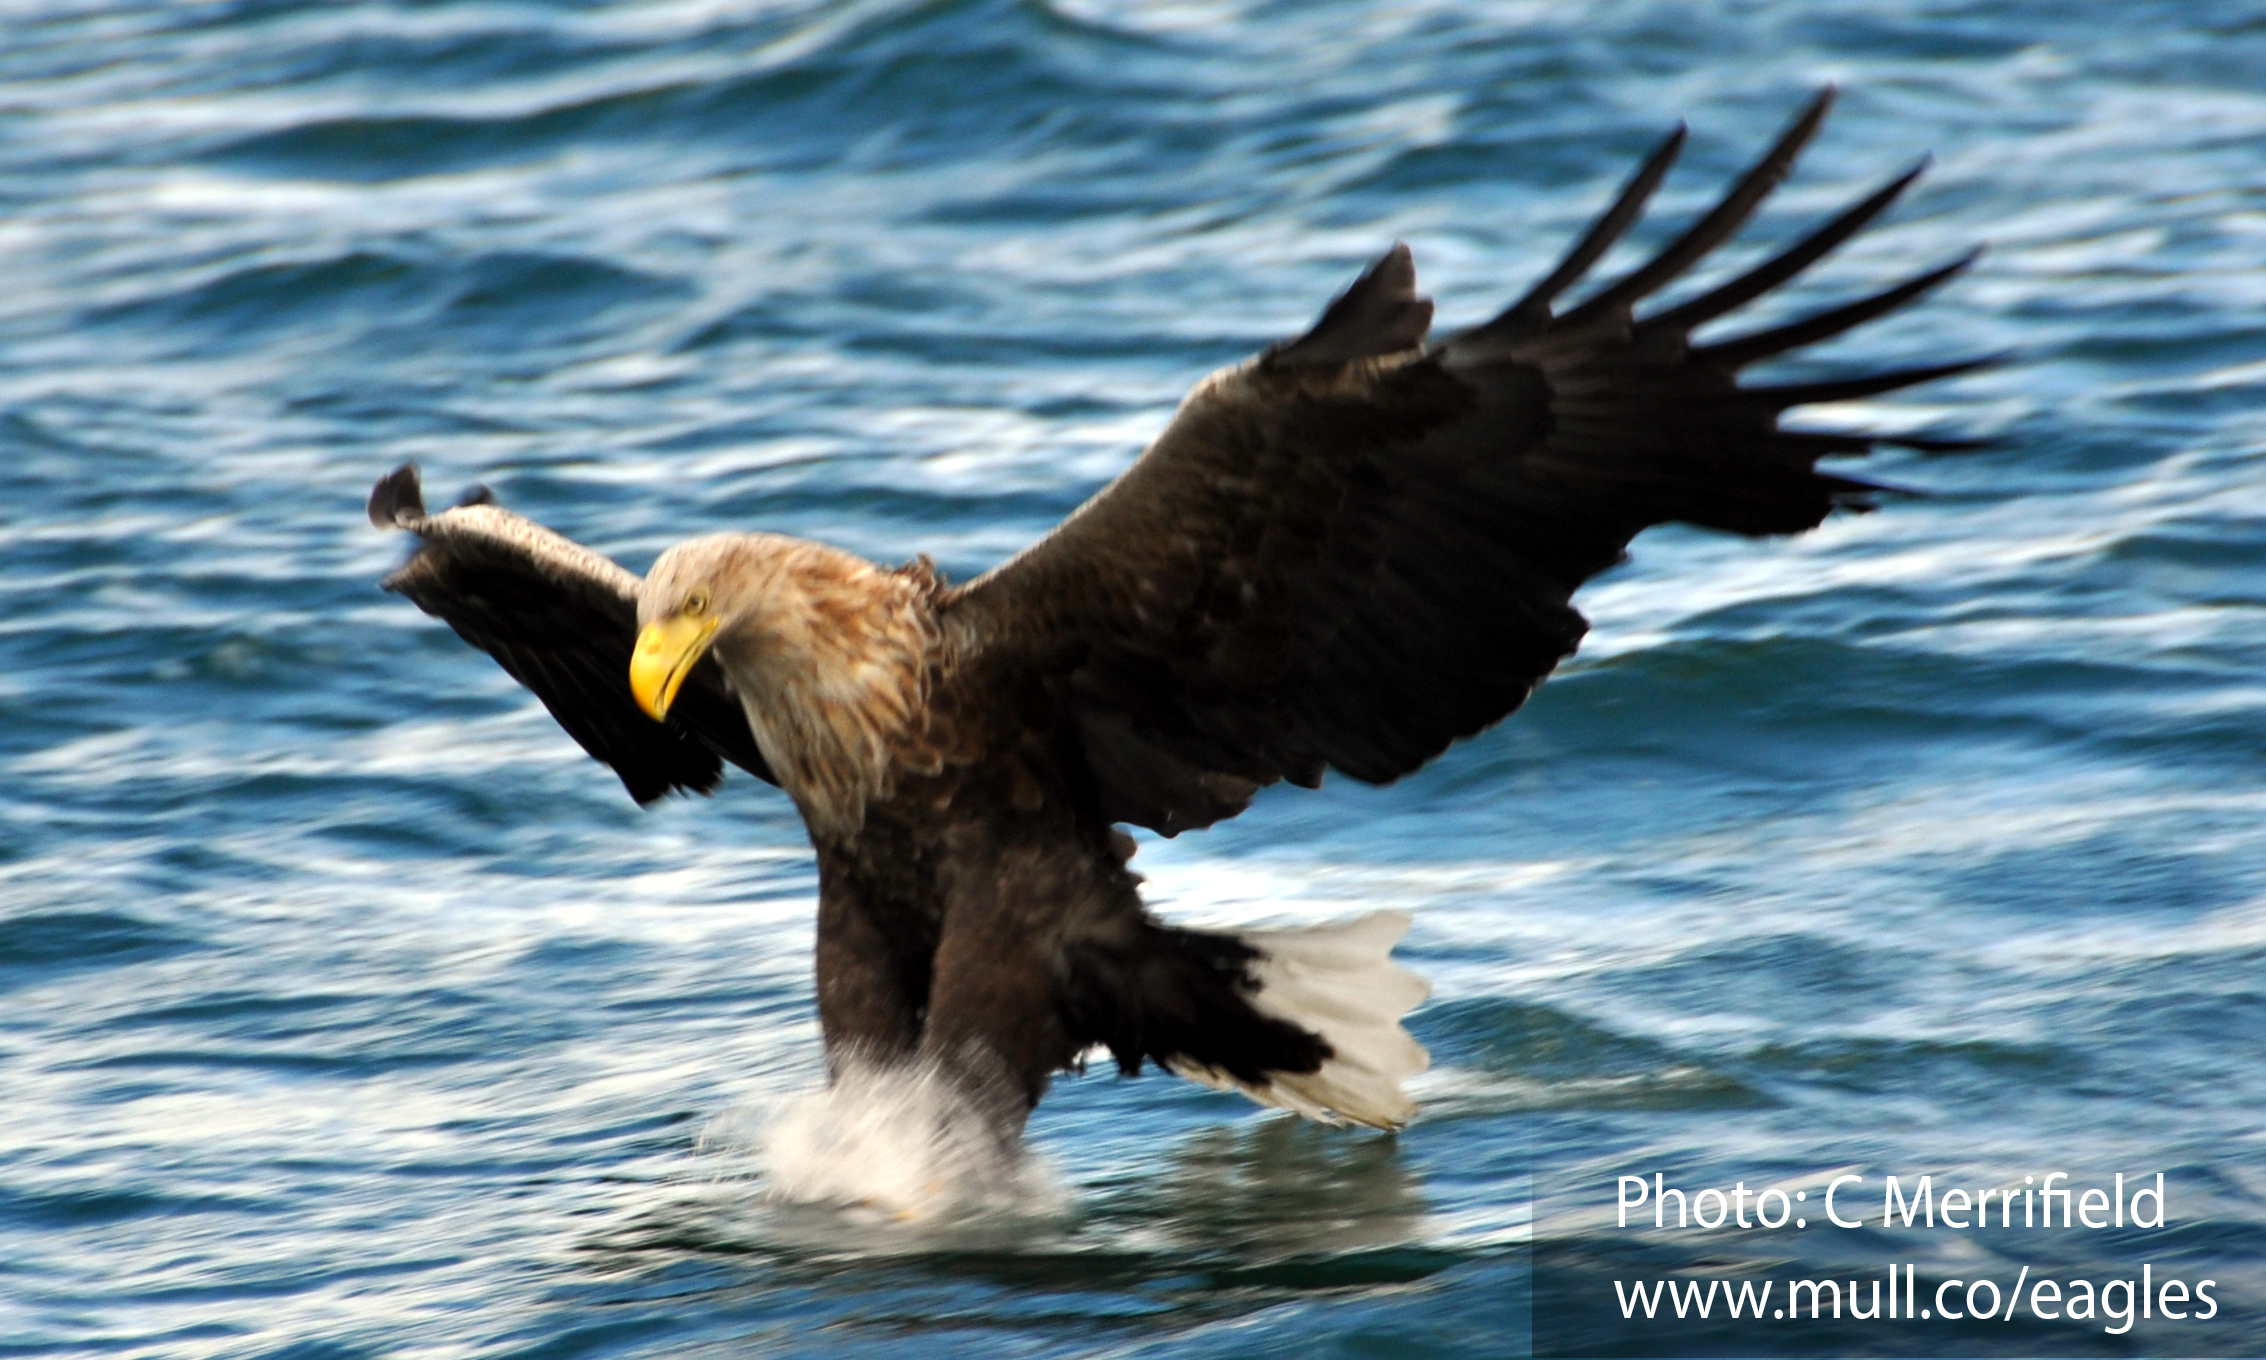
x=348 y=1010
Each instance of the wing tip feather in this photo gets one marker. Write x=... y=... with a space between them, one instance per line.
x=1737 y=352
x=1381 y=313
x=1719 y=224
x=398 y=500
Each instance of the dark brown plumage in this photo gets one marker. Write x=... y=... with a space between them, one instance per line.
x=1344 y=554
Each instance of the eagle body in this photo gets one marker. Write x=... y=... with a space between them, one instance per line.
x=1343 y=554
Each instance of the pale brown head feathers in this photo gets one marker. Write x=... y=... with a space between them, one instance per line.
x=830 y=656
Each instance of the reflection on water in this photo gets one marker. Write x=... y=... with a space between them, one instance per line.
x=1269 y=1191
x=1230 y=1223
x=1275 y=1190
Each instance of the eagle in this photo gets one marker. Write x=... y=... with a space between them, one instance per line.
x=1345 y=553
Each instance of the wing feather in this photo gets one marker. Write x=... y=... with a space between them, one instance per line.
x=1721 y=223
x=562 y=620
x=1604 y=232
x=1360 y=546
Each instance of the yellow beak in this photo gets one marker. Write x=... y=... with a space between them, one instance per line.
x=665 y=655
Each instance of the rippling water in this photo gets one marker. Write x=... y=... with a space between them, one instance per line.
x=350 y=1011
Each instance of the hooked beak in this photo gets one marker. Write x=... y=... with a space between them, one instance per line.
x=665 y=654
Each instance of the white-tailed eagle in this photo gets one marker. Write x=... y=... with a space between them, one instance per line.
x=1344 y=554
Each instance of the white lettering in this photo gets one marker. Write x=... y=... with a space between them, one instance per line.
x=1838 y=1222
x=1785 y=1209
x=2047 y=1193
x=1692 y=1296
x=2094 y=1201
x=1892 y=1200
x=1629 y=1305
x=2124 y=1314
x=1972 y=1310
x=1818 y=1288
x=1644 y=1192
x=1954 y=1201
x=2157 y=1195
x=1746 y=1295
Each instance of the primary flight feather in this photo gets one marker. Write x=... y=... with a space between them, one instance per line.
x=1345 y=553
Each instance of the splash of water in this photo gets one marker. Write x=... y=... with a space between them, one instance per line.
x=905 y=1141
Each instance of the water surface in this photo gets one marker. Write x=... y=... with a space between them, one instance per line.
x=352 y=1012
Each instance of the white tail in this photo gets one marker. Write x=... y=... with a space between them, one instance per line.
x=1338 y=981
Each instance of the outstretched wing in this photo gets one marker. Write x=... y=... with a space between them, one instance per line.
x=1358 y=547
x=562 y=621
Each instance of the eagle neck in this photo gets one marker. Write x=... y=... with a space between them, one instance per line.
x=833 y=660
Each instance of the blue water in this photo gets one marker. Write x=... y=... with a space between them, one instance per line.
x=347 y=1010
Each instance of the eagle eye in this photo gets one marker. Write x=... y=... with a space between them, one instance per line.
x=697 y=602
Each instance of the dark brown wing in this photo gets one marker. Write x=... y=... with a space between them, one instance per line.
x=562 y=621
x=1357 y=548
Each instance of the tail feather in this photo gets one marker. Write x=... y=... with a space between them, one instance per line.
x=1307 y=1020
x=1338 y=982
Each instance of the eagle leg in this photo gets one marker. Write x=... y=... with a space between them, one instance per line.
x=873 y=977
x=994 y=1012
